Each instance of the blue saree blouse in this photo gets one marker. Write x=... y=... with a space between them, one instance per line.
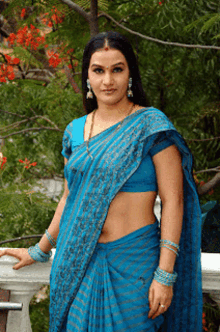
x=143 y=179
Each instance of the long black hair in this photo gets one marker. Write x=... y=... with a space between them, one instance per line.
x=119 y=42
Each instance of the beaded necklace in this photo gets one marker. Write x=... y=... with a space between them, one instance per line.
x=91 y=127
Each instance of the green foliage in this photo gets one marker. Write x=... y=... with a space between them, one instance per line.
x=211 y=314
x=54 y=106
x=39 y=313
x=24 y=212
x=27 y=57
x=85 y=4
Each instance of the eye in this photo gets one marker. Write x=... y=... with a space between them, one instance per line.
x=117 y=70
x=98 y=70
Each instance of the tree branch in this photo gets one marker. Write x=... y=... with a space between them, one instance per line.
x=209 y=185
x=15 y=114
x=21 y=238
x=77 y=8
x=155 y=40
x=30 y=129
x=13 y=125
x=39 y=78
x=4 y=33
x=18 y=123
x=93 y=21
x=216 y=169
x=71 y=80
x=202 y=139
x=46 y=71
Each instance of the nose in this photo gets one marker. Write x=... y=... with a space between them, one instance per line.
x=107 y=79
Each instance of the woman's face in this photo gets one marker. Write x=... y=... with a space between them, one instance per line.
x=109 y=75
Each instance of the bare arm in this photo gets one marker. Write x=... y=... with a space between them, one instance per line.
x=53 y=229
x=45 y=246
x=170 y=183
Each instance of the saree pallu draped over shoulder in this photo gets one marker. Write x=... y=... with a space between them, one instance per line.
x=93 y=183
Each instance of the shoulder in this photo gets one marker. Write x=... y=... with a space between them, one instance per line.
x=74 y=129
x=156 y=121
x=75 y=123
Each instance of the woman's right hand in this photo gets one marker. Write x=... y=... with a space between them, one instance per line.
x=21 y=254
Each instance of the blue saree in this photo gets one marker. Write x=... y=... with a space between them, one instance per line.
x=93 y=183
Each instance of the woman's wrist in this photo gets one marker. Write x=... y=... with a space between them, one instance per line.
x=164 y=277
x=44 y=244
x=167 y=268
x=38 y=255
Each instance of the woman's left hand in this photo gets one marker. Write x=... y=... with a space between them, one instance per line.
x=159 y=295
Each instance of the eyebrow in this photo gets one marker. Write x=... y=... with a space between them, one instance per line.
x=116 y=64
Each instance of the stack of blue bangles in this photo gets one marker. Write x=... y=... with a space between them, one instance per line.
x=164 y=277
x=37 y=254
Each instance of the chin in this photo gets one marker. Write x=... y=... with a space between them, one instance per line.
x=112 y=101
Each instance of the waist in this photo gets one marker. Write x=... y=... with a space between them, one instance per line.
x=119 y=229
x=146 y=231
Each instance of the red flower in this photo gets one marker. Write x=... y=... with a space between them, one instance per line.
x=23 y=12
x=3 y=160
x=11 y=38
x=50 y=24
x=160 y=3
x=2 y=79
x=204 y=322
x=11 y=76
x=10 y=69
x=54 y=59
x=16 y=61
x=211 y=191
x=27 y=163
x=71 y=50
x=6 y=71
x=8 y=58
x=27 y=37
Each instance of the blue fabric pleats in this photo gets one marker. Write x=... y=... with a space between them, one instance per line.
x=113 y=295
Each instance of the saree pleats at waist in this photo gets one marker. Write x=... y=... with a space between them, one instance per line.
x=113 y=295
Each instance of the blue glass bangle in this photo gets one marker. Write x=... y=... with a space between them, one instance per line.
x=52 y=241
x=175 y=251
x=163 y=241
x=164 y=277
x=38 y=255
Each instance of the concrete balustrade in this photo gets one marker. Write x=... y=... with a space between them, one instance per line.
x=23 y=284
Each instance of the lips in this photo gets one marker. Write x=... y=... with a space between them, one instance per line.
x=109 y=90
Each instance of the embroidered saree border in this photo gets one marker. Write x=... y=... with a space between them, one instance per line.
x=117 y=155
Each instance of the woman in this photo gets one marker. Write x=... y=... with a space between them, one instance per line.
x=114 y=267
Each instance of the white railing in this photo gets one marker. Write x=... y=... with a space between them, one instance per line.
x=26 y=282
x=23 y=284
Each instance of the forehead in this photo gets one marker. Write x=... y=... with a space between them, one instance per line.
x=107 y=58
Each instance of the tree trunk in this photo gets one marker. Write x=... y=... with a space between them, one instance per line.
x=93 y=20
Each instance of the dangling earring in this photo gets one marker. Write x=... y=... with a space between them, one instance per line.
x=89 y=93
x=130 y=92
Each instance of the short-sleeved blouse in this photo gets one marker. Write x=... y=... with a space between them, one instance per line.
x=143 y=179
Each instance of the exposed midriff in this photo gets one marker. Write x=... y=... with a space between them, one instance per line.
x=128 y=212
